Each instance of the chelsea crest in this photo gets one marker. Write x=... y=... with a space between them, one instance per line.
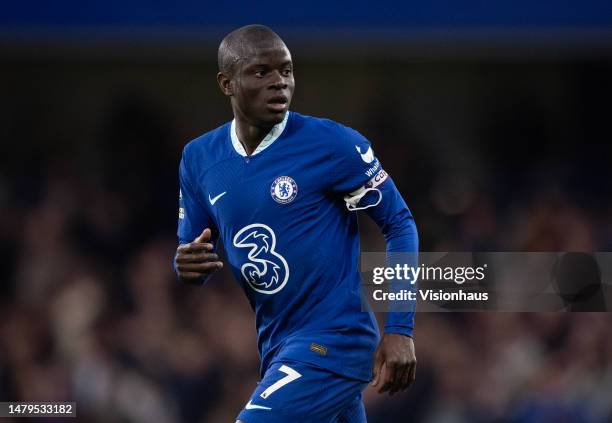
x=283 y=189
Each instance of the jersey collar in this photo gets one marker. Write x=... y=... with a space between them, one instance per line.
x=274 y=133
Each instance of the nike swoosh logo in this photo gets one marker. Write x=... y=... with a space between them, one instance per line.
x=214 y=200
x=368 y=156
x=251 y=406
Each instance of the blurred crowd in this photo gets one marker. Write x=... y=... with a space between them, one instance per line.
x=90 y=310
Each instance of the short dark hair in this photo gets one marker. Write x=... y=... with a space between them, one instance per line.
x=240 y=43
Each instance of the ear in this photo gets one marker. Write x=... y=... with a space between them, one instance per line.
x=225 y=83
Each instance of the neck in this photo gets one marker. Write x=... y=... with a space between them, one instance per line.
x=250 y=136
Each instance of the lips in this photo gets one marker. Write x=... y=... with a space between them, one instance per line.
x=278 y=99
x=278 y=103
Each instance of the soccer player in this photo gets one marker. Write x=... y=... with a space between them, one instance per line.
x=281 y=190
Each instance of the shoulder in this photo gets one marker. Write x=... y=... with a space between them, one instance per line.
x=208 y=148
x=323 y=125
x=334 y=135
x=208 y=142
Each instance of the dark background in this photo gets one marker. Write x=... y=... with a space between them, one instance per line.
x=494 y=121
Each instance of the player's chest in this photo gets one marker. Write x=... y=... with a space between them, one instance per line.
x=266 y=187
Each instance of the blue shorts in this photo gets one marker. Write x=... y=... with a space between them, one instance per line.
x=292 y=391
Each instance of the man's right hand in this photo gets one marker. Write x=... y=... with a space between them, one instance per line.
x=196 y=259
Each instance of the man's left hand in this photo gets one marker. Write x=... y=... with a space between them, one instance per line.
x=394 y=363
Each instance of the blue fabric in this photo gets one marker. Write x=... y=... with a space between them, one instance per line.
x=397 y=225
x=290 y=240
x=354 y=413
x=316 y=396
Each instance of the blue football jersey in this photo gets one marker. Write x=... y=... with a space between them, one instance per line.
x=285 y=217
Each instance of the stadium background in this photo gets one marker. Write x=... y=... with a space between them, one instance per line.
x=493 y=119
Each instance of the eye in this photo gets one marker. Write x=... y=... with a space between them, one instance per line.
x=287 y=71
x=260 y=73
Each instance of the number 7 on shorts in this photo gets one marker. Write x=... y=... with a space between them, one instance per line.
x=291 y=376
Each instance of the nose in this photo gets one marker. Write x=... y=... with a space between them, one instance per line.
x=278 y=81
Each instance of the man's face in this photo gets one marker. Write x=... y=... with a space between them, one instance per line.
x=263 y=85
